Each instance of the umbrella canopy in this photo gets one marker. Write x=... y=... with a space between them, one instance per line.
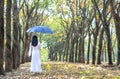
x=40 y=29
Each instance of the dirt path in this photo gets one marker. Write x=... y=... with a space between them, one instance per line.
x=63 y=70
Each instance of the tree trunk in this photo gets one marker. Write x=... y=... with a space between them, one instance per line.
x=109 y=45
x=8 y=59
x=82 y=51
x=60 y=55
x=1 y=36
x=76 y=50
x=26 y=46
x=88 y=52
x=94 y=50
x=16 y=45
x=64 y=53
x=95 y=43
x=113 y=56
x=79 y=53
x=71 y=55
x=67 y=47
x=105 y=52
x=100 y=46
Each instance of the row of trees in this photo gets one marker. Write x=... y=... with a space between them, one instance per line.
x=91 y=29
x=8 y=58
x=16 y=16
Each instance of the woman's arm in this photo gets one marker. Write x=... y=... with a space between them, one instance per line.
x=39 y=45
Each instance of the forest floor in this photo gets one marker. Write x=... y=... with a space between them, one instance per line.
x=64 y=70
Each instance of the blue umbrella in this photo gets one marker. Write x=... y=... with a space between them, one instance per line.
x=40 y=29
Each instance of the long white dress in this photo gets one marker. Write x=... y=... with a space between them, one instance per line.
x=35 y=59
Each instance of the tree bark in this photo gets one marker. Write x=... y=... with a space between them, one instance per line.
x=95 y=34
x=16 y=44
x=100 y=46
x=1 y=36
x=82 y=59
x=67 y=46
x=88 y=52
x=94 y=49
x=8 y=54
x=109 y=45
x=76 y=50
x=71 y=55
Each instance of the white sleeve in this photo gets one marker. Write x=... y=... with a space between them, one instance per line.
x=30 y=50
x=39 y=45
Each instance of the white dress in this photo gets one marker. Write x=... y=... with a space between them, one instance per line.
x=35 y=59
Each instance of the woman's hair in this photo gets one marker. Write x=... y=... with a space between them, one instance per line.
x=34 y=41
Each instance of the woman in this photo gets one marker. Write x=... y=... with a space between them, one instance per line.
x=35 y=55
